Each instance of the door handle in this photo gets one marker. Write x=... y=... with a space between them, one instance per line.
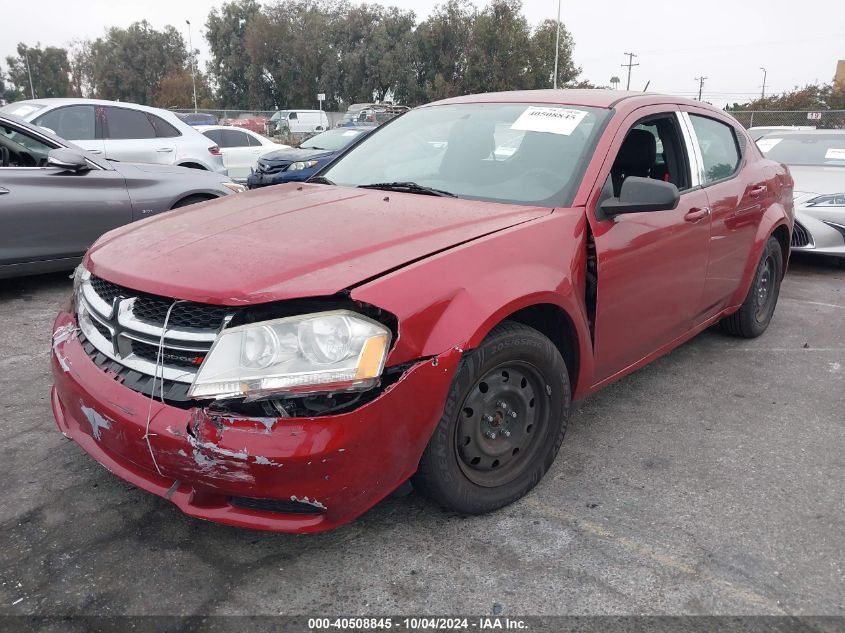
x=696 y=213
x=96 y=151
x=165 y=150
x=756 y=192
x=3 y=190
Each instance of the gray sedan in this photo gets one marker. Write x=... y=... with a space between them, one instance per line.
x=816 y=159
x=56 y=199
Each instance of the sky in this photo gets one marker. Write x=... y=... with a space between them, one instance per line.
x=726 y=41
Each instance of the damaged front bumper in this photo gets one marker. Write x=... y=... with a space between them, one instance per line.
x=281 y=474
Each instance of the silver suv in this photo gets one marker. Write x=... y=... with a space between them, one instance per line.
x=122 y=131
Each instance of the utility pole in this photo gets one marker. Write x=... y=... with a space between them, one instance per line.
x=193 y=73
x=629 y=65
x=29 y=72
x=700 y=81
x=763 y=92
x=557 y=42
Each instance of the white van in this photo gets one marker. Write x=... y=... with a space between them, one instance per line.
x=297 y=122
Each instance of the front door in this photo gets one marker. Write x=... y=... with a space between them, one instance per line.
x=652 y=265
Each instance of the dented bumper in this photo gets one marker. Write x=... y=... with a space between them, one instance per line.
x=330 y=469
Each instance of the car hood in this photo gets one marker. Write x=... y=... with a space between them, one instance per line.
x=293 y=154
x=817 y=180
x=290 y=241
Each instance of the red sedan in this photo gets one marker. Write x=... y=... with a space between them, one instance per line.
x=425 y=309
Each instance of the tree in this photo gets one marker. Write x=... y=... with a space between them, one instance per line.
x=130 y=64
x=614 y=81
x=49 y=67
x=499 y=56
x=442 y=48
x=239 y=81
x=542 y=62
x=176 y=90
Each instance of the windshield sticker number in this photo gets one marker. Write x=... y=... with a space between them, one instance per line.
x=766 y=144
x=551 y=120
x=350 y=133
x=834 y=153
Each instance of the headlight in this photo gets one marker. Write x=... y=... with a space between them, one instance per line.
x=80 y=276
x=300 y=165
x=234 y=187
x=831 y=200
x=326 y=351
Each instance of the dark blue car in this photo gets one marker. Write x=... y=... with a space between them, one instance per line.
x=302 y=162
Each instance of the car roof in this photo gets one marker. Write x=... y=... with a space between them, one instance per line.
x=62 y=101
x=203 y=128
x=596 y=98
x=815 y=132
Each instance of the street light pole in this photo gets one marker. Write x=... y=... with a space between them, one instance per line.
x=763 y=92
x=193 y=73
x=557 y=42
x=629 y=66
x=29 y=72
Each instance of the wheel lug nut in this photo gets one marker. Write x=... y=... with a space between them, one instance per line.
x=490 y=435
x=506 y=433
x=488 y=417
x=513 y=414
x=502 y=404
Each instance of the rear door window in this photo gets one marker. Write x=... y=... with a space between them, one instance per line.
x=74 y=123
x=719 y=148
x=214 y=135
x=128 y=124
x=234 y=138
x=163 y=128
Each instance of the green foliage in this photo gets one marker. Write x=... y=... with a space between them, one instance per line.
x=50 y=70
x=810 y=97
x=543 y=56
x=129 y=64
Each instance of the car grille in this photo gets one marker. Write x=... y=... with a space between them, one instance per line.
x=800 y=236
x=272 y=168
x=124 y=327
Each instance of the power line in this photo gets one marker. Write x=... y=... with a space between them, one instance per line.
x=629 y=65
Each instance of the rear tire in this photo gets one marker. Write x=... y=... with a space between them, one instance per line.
x=756 y=312
x=503 y=423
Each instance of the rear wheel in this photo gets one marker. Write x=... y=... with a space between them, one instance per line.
x=503 y=423
x=755 y=314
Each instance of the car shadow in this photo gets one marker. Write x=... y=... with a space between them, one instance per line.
x=27 y=287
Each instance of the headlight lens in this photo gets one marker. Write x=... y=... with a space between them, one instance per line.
x=234 y=187
x=322 y=352
x=831 y=200
x=300 y=165
x=80 y=276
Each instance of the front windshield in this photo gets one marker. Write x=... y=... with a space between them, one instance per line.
x=805 y=149
x=331 y=140
x=517 y=153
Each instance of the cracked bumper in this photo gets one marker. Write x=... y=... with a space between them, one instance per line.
x=344 y=464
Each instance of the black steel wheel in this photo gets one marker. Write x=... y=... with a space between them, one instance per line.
x=503 y=423
x=756 y=312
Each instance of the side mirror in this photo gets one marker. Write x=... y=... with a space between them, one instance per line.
x=639 y=195
x=67 y=159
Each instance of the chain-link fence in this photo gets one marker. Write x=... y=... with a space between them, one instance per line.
x=819 y=119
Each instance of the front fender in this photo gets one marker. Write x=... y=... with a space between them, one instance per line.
x=453 y=299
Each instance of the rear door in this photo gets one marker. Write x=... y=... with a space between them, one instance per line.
x=131 y=137
x=651 y=266
x=738 y=195
x=80 y=124
x=239 y=153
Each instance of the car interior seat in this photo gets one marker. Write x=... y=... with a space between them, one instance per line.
x=636 y=157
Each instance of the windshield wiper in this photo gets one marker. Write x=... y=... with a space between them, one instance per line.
x=409 y=187
x=321 y=180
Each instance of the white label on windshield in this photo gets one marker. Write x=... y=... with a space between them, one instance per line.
x=552 y=120
x=765 y=144
x=350 y=133
x=835 y=154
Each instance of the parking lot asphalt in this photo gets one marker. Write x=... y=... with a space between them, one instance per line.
x=710 y=482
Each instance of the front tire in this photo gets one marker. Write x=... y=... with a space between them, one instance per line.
x=756 y=312
x=503 y=423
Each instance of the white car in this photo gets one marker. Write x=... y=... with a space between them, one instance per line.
x=816 y=160
x=241 y=148
x=126 y=132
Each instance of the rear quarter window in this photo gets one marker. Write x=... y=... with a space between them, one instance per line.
x=719 y=148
